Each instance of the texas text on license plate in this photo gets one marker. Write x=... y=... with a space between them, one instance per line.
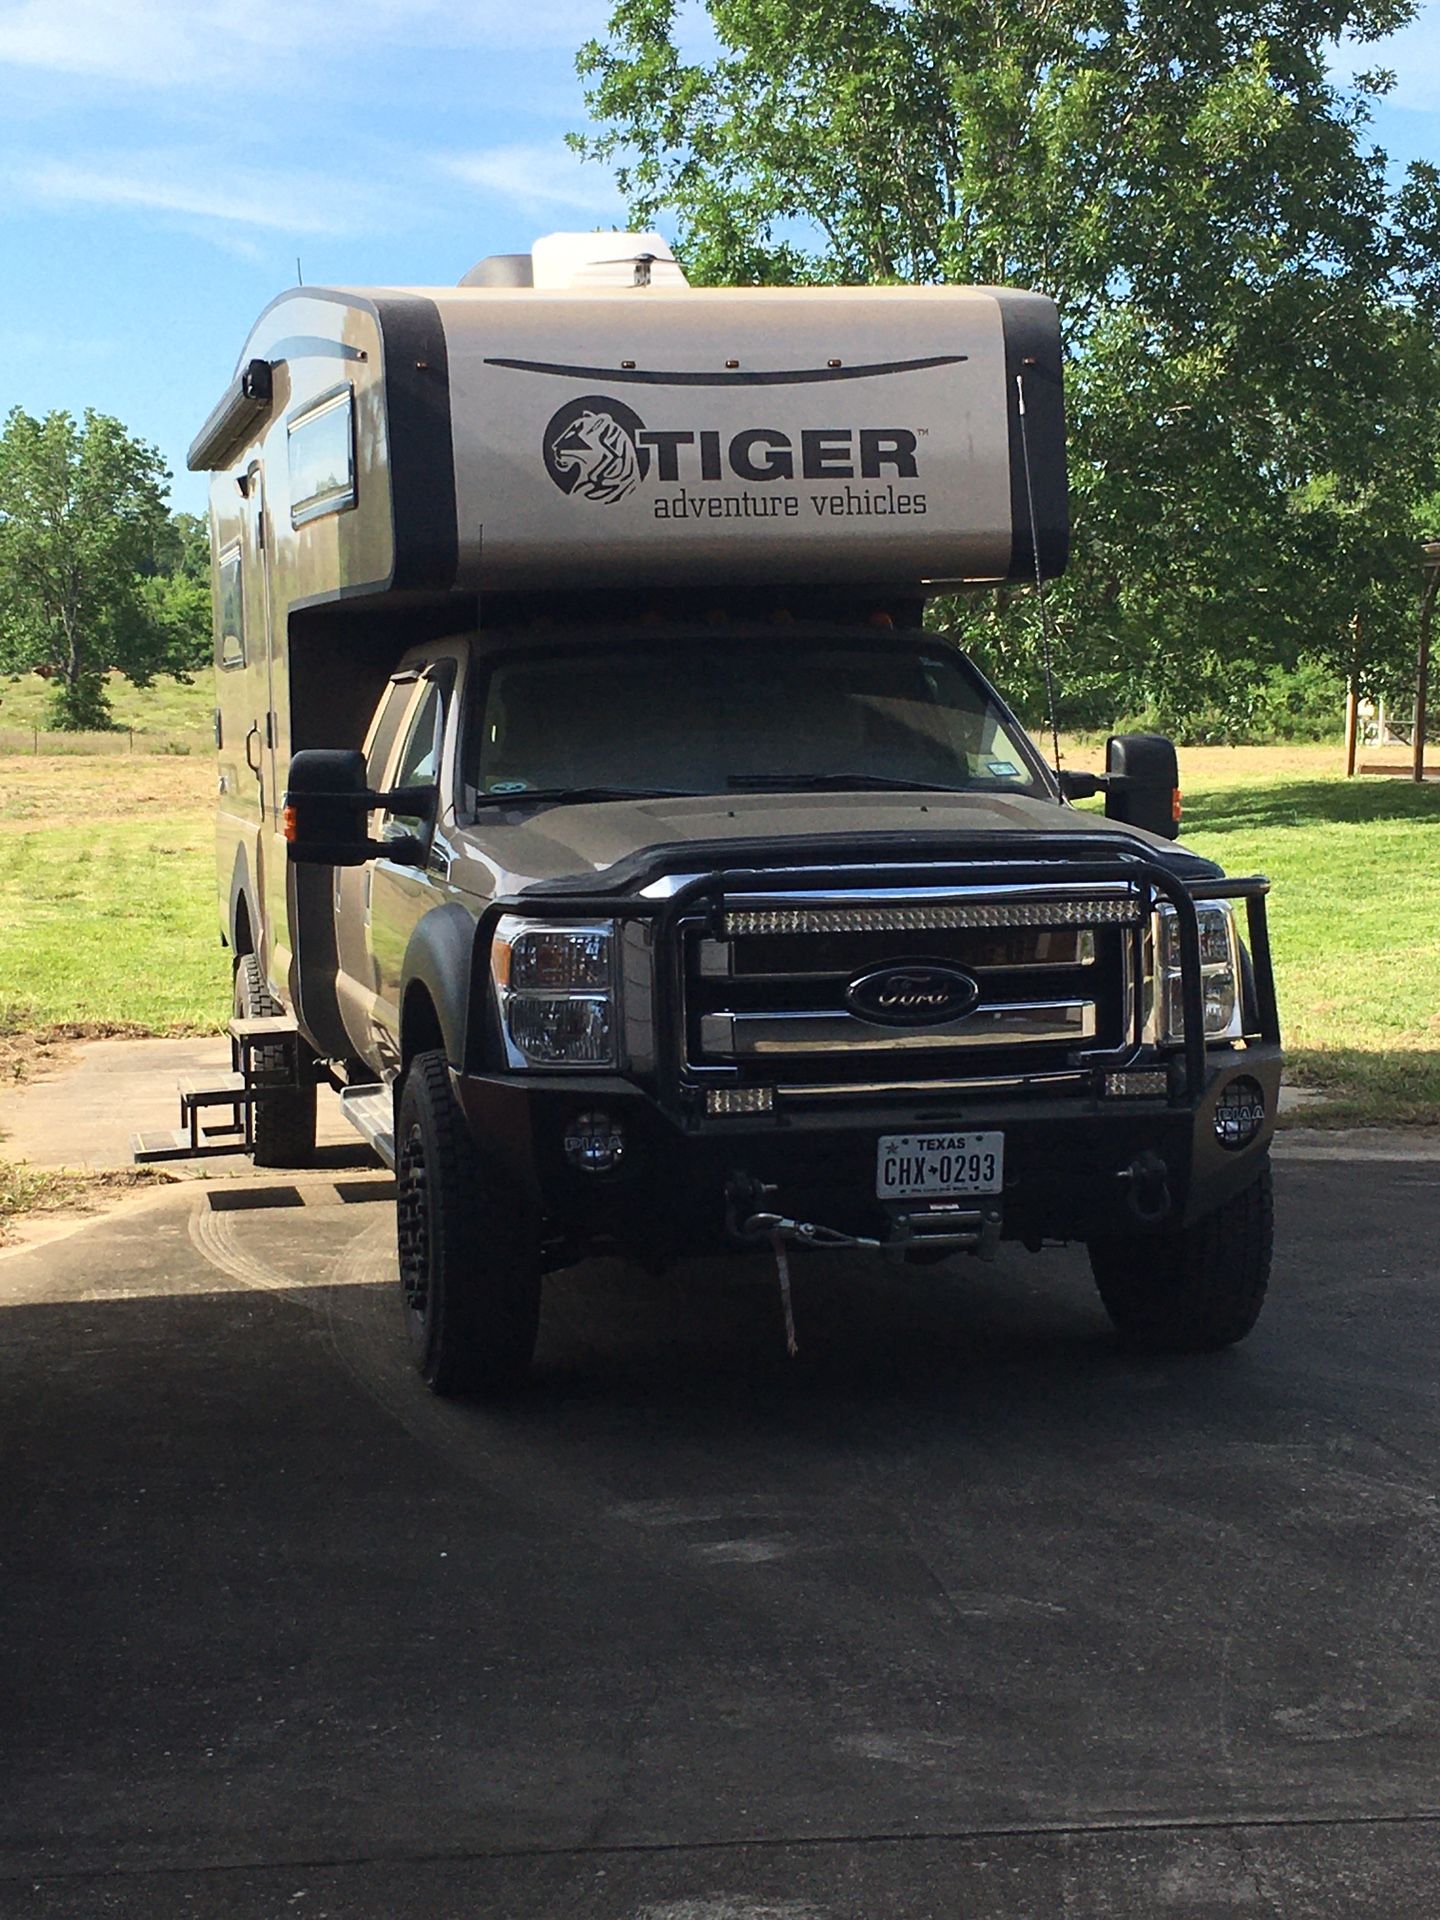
x=913 y=1166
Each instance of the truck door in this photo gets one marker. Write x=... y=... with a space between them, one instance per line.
x=400 y=895
x=355 y=986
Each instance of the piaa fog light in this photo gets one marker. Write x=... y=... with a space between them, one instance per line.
x=594 y=1142
x=1239 y=1114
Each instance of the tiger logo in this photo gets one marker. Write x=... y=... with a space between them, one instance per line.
x=590 y=449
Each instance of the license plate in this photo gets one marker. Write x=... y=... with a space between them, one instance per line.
x=932 y=1166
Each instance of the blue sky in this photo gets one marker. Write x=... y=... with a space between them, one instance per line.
x=163 y=162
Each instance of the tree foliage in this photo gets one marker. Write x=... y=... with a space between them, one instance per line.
x=1248 y=300
x=95 y=574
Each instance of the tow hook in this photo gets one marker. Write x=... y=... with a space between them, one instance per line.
x=932 y=1232
x=1146 y=1182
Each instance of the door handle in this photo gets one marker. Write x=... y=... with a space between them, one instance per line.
x=255 y=764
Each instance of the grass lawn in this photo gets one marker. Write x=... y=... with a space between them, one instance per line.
x=107 y=906
x=172 y=715
x=107 y=895
x=1355 y=926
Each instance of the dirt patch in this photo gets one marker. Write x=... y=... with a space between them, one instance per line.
x=29 y=1053
x=26 y=1190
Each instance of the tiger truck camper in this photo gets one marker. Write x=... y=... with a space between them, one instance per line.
x=598 y=816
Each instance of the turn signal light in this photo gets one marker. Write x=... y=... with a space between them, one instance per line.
x=1175 y=806
x=287 y=824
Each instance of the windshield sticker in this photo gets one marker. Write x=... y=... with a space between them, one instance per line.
x=1003 y=769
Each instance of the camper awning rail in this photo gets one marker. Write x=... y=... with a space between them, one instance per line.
x=245 y=400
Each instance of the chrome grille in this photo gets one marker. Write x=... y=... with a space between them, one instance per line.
x=765 y=983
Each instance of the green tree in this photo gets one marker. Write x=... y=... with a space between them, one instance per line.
x=82 y=510
x=1248 y=302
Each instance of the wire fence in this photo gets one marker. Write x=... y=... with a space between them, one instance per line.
x=42 y=741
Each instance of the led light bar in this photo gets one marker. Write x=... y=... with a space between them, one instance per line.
x=1075 y=912
x=1147 y=1084
x=740 y=1100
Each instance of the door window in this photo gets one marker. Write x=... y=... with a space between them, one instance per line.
x=419 y=762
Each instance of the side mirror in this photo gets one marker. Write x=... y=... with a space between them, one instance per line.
x=1142 y=783
x=327 y=809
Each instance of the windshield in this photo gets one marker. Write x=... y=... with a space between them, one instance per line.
x=754 y=715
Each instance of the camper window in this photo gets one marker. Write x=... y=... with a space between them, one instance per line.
x=230 y=648
x=321 y=446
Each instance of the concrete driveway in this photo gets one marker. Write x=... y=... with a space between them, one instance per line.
x=961 y=1614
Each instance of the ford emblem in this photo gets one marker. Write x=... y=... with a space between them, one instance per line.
x=918 y=993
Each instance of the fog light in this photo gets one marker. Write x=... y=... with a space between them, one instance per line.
x=1239 y=1114
x=740 y=1100
x=1150 y=1084
x=594 y=1142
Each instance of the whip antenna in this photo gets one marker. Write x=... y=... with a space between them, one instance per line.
x=1045 y=647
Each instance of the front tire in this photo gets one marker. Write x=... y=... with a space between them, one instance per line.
x=469 y=1253
x=1197 y=1289
x=284 y=1121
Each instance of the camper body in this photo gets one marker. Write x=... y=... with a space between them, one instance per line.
x=596 y=813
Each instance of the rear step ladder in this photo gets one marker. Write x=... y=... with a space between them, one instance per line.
x=238 y=1091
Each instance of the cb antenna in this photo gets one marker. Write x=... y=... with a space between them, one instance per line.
x=1046 y=648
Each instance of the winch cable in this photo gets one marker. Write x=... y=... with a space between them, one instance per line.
x=1046 y=649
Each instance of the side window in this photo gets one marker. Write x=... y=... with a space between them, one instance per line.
x=385 y=727
x=321 y=448
x=419 y=762
x=230 y=639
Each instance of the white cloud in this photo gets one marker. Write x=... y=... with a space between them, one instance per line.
x=538 y=178
x=176 y=184
x=175 y=43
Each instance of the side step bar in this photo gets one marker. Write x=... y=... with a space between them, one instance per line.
x=371 y=1111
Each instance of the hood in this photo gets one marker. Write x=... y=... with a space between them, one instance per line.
x=611 y=844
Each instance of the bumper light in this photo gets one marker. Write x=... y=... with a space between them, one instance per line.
x=1148 y=1084
x=556 y=992
x=594 y=1142
x=1239 y=1114
x=740 y=1100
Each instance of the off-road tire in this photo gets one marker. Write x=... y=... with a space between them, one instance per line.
x=284 y=1121
x=1197 y=1289
x=469 y=1252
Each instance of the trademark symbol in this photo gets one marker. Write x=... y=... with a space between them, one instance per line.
x=924 y=432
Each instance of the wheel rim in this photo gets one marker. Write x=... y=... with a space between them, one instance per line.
x=412 y=1218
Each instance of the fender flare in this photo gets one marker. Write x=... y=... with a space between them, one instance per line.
x=439 y=958
x=242 y=890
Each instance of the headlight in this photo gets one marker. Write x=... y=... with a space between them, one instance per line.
x=1219 y=975
x=555 y=985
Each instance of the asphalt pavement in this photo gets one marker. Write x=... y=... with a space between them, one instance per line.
x=962 y=1613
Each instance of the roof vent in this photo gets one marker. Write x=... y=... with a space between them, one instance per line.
x=585 y=260
x=501 y=270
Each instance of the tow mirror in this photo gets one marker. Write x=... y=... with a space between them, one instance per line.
x=327 y=809
x=1142 y=783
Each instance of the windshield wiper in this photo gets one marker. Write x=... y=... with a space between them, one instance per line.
x=578 y=796
x=832 y=783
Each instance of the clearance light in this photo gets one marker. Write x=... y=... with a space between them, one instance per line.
x=740 y=1100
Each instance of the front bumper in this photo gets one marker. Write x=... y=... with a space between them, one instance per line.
x=1070 y=1163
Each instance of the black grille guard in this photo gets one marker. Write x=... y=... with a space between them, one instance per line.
x=1048 y=860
